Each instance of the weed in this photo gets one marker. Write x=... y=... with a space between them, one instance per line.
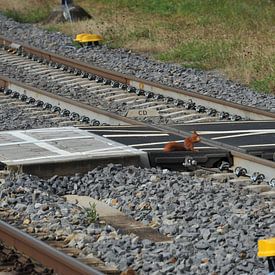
x=92 y=215
x=31 y=16
x=264 y=85
x=52 y=28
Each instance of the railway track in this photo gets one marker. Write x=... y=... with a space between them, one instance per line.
x=76 y=113
x=60 y=239
x=43 y=253
x=124 y=93
x=54 y=107
x=124 y=103
x=141 y=100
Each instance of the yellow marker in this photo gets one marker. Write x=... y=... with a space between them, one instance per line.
x=266 y=248
x=88 y=37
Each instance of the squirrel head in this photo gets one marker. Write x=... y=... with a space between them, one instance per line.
x=195 y=137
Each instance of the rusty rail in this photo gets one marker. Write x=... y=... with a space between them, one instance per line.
x=43 y=253
x=66 y=103
x=207 y=101
x=219 y=105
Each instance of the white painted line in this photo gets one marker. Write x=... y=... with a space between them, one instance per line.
x=154 y=143
x=152 y=149
x=97 y=152
x=54 y=130
x=237 y=131
x=137 y=135
x=161 y=148
x=242 y=135
x=41 y=144
x=257 y=145
x=234 y=122
x=44 y=140
x=70 y=155
x=43 y=130
x=126 y=131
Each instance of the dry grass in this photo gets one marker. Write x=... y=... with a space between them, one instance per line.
x=240 y=46
x=27 y=11
x=21 y=5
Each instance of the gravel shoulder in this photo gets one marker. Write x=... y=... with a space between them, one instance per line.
x=214 y=224
x=124 y=61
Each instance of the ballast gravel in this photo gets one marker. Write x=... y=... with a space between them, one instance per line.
x=76 y=92
x=214 y=224
x=14 y=118
x=122 y=60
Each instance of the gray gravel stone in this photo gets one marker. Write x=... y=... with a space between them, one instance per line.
x=121 y=60
x=225 y=242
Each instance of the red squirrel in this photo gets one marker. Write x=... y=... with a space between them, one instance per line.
x=187 y=145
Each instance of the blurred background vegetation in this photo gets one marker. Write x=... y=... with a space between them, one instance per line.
x=234 y=37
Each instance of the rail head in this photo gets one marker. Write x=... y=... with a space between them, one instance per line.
x=207 y=101
x=132 y=81
x=43 y=253
x=65 y=102
x=240 y=157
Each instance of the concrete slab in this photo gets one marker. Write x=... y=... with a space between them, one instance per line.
x=123 y=223
x=63 y=151
x=102 y=208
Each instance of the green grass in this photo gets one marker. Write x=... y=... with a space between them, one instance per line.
x=201 y=54
x=30 y=16
x=52 y=28
x=92 y=215
x=205 y=34
x=266 y=84
x=229 y=11
x=233 y=36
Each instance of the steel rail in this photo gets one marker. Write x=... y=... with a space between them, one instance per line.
x=66 y=103
x=61 y=263
x=240 y=157
x=207 y=101
x=252 y=113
